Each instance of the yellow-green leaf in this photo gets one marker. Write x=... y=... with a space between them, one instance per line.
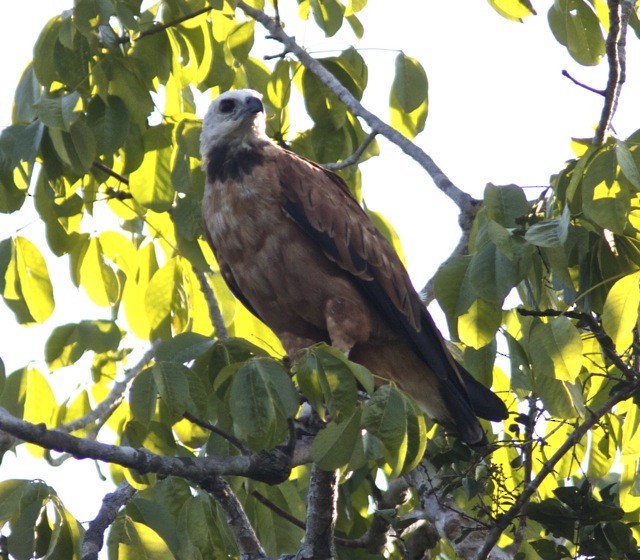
x=559 y=341
x=620 y=312
x=33 y=276
x=97 y=278
x=479 y=324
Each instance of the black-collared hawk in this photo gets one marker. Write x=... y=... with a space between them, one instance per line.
x=299 y=252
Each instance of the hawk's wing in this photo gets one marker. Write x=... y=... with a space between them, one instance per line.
x=322 y=205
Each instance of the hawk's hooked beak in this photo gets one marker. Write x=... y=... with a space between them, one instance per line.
x=253 y=106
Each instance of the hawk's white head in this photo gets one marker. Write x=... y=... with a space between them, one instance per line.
x=234 y=119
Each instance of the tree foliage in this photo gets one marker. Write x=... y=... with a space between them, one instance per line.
x=218 y=445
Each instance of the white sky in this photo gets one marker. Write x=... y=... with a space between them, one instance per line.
x=500 y=112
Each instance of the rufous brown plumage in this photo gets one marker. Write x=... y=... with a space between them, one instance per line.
x=300 y=253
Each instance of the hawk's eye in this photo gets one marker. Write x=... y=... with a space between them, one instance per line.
x=227 y=105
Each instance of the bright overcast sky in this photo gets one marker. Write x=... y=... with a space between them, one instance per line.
x=500 y=112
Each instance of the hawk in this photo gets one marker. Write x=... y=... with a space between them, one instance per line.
x=296 y=248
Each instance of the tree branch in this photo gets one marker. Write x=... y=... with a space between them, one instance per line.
x=378 y=126
x=107 y=407
x=607 y=345
x=548 y=467
x=321 y=516
x=111 y=504
x=354 y=157
x=248 y=543
x=619 y=13
x=566 y=74
x=272 y=466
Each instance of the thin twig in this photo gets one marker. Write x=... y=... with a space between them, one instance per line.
x=215 y=313
x=548 y=467
x=619 y=13
x=209 y=426
x=566 y=74
x=158 y=28
x=111 y=505
x=275 y=508
x=442 y=182
x=106 y=408
x=354 y=157
x=607 y=345
x=106 y=169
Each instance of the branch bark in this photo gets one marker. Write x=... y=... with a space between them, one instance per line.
x=321 y=516
x=272 y=466
x=248 y=543
x=111 y=504
x=215 y=313
x=619 y=13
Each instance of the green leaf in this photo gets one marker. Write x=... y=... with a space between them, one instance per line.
x=328 y=15
x=109 y=123
x=628 y=158
x=68 y=343
x=240 y=40
x=505 y=204
x=76 y=148
x=606 y=201
x=184 y=347
x=479 y=324
x=27 y=94
x=262 y=399
x=550 y=233
x=171 y=380
x=409 y=88
x=409 y=96
x=575 y=25
x=166 y=299
x=453 y=288
x=150 y=184
x=559 y=341
x=33 y=278
x=43 y=53
x=135 y=540
x=620 y=312
x=332 y=447
x=97 y=277
x=492 y=274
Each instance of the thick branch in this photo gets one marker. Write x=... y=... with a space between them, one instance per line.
x=619 y=12
x=111 y=504
x=271 y=466
x=376 y=125
x=248 y=543
x=548 y=467
x=321 y=516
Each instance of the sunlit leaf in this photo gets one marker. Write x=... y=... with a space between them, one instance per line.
x=33 y=277
x=620 y=313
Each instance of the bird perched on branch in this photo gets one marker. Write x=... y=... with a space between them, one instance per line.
x=299 y=252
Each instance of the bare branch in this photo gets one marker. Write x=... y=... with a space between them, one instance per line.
x=378 y=126
x=548 y=467
x=272 y=466
x=619 y=13
x=101 y=413
x=354 y=157
x=321 y=516
x=248 y=543
x=215 y=314
x=111 y=504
